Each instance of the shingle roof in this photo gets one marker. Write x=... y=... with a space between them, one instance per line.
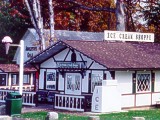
x=15 y=68
x=112 y=55
x=120 y=55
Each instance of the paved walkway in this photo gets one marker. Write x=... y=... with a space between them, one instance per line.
x=41 y=107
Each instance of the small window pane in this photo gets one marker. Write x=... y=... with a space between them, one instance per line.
x=51 y=80
x=96 y=81
x=143 y=82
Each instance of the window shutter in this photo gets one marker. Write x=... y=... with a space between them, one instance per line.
x=134 y=82
x=153 y=81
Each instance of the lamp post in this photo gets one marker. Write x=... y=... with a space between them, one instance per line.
x=7 y=41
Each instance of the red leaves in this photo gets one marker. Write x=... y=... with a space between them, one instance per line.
x=15 y=12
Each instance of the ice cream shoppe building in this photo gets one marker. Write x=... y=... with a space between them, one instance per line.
x=72 y=68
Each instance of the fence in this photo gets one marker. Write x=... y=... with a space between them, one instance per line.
x=27 y=97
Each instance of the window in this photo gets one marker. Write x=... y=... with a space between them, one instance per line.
x=143 y=82
x=51 y=81
x=2 y=79
x=14 y=79
x=73 y=84
x=96 y=80
x=26 y=79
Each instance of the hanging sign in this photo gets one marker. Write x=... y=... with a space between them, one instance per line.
x=128 y=36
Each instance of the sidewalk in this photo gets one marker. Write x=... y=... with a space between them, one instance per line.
x=41 y=107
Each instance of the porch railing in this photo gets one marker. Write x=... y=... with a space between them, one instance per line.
x=25 y=87
x=27 y=97
x=69 y=102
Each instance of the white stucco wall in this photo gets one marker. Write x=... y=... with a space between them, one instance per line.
x=85 y=83
x=66 y=55
x=61 y=83
x=124 y=79
x=29 y=42
x=48 y=64
x=41 y=79
x=61 y=56
x=157 y=81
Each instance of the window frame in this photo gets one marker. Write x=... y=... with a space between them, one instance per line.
x=28 y=78
x=150 y=81
x=52 y=81
x=6 y=78
x=99 y=84
x=17 y=79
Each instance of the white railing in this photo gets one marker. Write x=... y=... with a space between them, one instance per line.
x=25 y=87
x=69 y=102
x=27 y=97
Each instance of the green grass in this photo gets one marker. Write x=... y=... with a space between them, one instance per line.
x=148 y=114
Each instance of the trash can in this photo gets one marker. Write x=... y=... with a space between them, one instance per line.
x=13 y=103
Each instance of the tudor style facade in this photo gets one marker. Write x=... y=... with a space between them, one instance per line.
x=72 y=69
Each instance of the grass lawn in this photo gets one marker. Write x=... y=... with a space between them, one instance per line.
x=148 y=114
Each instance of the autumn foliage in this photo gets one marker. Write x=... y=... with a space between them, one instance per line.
x=73 y=15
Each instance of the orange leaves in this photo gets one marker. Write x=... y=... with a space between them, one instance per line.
x=85 y=20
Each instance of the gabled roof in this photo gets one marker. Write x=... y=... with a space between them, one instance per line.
x=15 y=68
x=112 y=55
x=61 y=35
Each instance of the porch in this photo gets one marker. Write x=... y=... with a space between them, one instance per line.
x=58 y=101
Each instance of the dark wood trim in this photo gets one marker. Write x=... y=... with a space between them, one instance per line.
x=133 y=69
x=73 y=69
x=104 y=75
x=85 y=93
x=152 y=81
x=57 y=79
x=52 y=55
x=134 y=82
x=81 y=57
x=83 y=54
x=60 y=91
x=64 y=82
x=89 y=82
x=90 y=65
x=44 y=80
x=67 y=54
x=54 y=59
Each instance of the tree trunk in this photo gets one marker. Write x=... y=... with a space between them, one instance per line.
x=37 y=20
x=40 y=25
x=120 y=16
x=31 y=14
x=51 y=14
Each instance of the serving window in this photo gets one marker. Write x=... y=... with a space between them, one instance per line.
x=51 y=80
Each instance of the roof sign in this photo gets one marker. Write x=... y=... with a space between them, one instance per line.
x=128 y=36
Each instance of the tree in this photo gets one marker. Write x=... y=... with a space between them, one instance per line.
x=13 y=24
x=68 y=15
x=151 y=13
